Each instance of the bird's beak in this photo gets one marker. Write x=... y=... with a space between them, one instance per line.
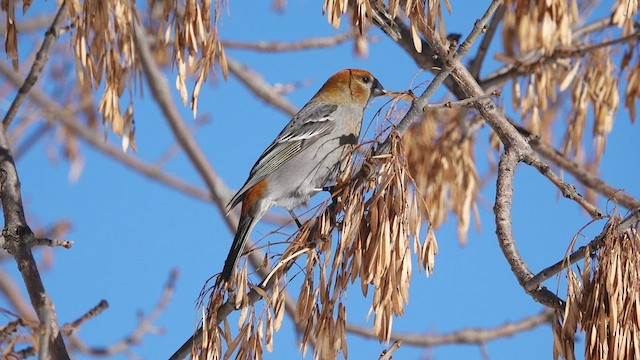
x=377 y=89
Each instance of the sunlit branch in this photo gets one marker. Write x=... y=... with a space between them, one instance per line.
x=478 y=336
x=276 y=46
x=418 y=105
x=463 y=102
x=260 y=87
x=387 y=354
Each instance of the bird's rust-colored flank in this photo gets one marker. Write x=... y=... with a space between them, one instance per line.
x=346 y=86
x=255 y=193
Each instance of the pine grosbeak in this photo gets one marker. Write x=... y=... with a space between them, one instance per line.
x=306 y=155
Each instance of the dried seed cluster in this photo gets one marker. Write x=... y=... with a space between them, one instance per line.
x=605 y=301
x=440 y=159
x=366 y=235
x=421 y=14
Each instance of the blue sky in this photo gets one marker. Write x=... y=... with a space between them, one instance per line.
x=129 y=231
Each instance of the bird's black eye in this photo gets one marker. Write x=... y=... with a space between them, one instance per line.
x=366 y=79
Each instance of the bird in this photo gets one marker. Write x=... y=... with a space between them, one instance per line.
x=305 y=157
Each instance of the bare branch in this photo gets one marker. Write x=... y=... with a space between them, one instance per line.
x=19 y=240
x=260 y=87
x=67 y=244
x=93 y=312
x=477 y=336
x=502 y=210
x=311 y=43
x=15 y=298
x=477 y=62
x=463 y=102
x=584 y=176
x=68 y=119
x=31 y=24
x=580 y=254
x=38 y=64
x=417 y=106
x=145 y=326
x=568 y=190
x=160 y=91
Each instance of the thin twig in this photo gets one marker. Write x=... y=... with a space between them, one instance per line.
x=583 y=49
x=463 y=102
x=260 y=87
x=478 y=336
x=93 y=312
x=145 y=326
x=67 y=244
x=478 y=28
x=34 y=24
x=477 y=62
x=38 y=64
x=400 y=33
x=14 y=296
x=568 y=190
x=587 y=178
x=580 y=254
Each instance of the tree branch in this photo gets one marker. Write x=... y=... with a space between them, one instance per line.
x=275 y=46
x=19 y=241
x=477 y=336
x=260 y=87
x=476 y=63
x=504 y=232
x=69 y=121
x=38 y=64
x=523 y=63
x=584 y=176
x=581 y=253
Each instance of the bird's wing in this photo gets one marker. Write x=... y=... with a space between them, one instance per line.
x=311 y=123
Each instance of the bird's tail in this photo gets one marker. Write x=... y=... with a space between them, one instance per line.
x=244 y=228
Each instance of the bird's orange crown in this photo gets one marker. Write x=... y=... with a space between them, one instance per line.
x=347 y=86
